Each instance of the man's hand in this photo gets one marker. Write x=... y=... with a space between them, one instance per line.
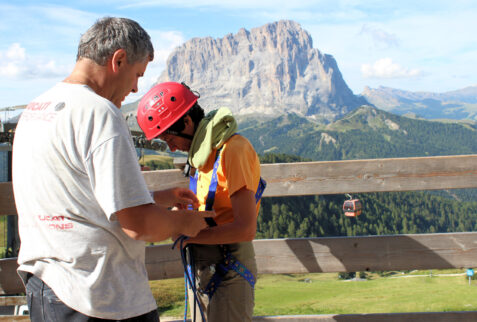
x=243 y=228
x=153 y=223
x=176 y=197
x=193 y=222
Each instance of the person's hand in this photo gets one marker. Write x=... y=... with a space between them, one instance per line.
x=176 y=197
x=194 y=222
x=185 y=197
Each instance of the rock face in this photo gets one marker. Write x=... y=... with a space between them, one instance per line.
x=273 y=69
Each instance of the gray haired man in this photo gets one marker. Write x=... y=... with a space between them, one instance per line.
x=84 y=209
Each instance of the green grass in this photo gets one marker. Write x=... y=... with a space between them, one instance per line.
x=326 y=294
x=169 y=295
x=156 y=162
x=3 y=235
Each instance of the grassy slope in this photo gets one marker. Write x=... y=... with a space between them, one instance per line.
x=325 y=294
x=3 y=235
x=163 y=161
x=362 y=134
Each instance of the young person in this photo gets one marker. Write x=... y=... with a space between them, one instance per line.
x=226 y=180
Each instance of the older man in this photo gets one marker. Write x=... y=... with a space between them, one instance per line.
x=84 y=209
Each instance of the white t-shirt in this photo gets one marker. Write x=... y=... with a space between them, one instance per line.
x=74 y=166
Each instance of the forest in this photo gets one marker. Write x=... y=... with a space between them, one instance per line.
x=384 y=213
x=365 y=133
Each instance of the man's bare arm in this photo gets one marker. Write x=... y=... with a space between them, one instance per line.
x=153 y=223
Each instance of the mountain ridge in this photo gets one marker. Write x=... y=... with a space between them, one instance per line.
x=456 y=104
x=364 y=133
x=272 y=69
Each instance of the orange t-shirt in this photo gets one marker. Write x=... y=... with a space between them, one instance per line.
x=239 y=167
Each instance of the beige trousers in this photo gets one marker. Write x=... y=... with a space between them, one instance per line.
x=233 y=300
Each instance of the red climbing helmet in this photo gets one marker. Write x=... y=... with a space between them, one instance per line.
x=162 y=106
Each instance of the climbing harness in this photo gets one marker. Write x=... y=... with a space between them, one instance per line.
x=229 y=261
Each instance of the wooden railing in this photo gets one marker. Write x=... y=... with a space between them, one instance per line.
x=331 y=254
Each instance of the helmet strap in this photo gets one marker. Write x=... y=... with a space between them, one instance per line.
x=185 y=136
x=182 y=135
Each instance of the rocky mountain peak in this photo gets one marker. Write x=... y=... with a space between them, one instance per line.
x=272 y=69
x=285 y=36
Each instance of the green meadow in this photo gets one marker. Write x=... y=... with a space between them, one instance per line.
x=156 y=161
x=3 y=234
x=324 y=293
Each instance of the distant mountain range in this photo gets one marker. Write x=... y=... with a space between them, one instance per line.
x=366 y=132
x=456 y=105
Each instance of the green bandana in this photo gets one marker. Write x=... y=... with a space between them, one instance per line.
x=214 y=129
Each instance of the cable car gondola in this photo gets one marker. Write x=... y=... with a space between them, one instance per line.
x=352 y=207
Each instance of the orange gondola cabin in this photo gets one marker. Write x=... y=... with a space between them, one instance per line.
x=352 y=207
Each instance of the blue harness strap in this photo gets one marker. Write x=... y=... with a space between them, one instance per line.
x=209 y=202
x=262 y=184
x=229 y=262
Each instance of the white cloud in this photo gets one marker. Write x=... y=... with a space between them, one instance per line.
x=380 y=37
x=15 y=52
x=16 y=64
x=386 y=68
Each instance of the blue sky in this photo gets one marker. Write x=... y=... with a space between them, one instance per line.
x=411 y=45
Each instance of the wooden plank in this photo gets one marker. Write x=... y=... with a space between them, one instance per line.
x=370 y=253
x=10 y=282
x=317 y=255
x=7 y=202
x=351 y=176
x=165 y=179
x=163 y=262
x=378 y=175
x=373 y=317
x=333 y=177
x=9 y=318
x=376 y=317
x=342 y=254
x=12 y=300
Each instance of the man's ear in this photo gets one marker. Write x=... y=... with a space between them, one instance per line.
x=118 y=60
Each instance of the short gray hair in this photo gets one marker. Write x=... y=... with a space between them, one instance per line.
x=109 y=34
